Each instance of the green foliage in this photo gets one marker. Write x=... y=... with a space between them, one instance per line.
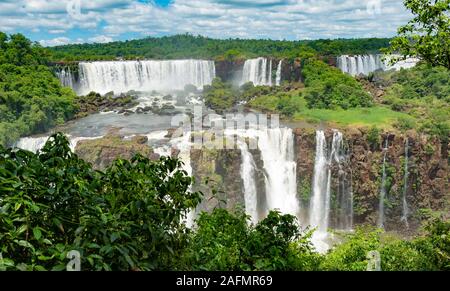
x=126 y=218
x=427 y=35
x=423 y=92
x=31 y=98
x=224 y=241
x=435 y=245
x=17 y=50
x=286 y=105
x=190 y=46
x=329 y=88
x=428 y=252
x=351 y=255
x=220 y=96
x=130 y=217
x=374 y=137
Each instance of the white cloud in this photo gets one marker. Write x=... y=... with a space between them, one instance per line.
x=105 y=20
x=55 y=41
x=100 y=39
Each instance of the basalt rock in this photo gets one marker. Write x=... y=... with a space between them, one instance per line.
x=102 y=152
x=427 y=190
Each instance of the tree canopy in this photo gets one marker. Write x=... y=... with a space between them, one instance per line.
x=427 y=35
x=32 y=99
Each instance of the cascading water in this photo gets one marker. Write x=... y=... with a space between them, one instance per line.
x=366 y=64
x=278 y=77
x=248 y=178
x=277 y=152
x=405 y=210
x=360 y=64
x=344 y=215
x=318 y=205
x=258 y=71
x=123 y=76
x=66 y=77
x=269 y=73
x=381 y=218
x=184 y=144
x=34 y=144
x=320 y=182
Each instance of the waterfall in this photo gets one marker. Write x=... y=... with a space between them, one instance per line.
x=320 y=205
x=366 y=64
x=381 y=218
x=360 y=64
x=256 y=71
x=319 y=183
x=66 y=77
x=321 y=198
x=123 y=76
x=277 y=152
x=270 y=73
x=278 y=78
x=184 y=144
x=248 y=177
x=35 y=144
x=405 y=210
x=32 y=144
x=344 y=216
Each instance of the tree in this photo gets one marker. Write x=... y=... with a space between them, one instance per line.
x=427 y=35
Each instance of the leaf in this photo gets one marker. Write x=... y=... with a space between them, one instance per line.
x=7 y=262
x=129 y=261
x=22 y=267
x=114 y=237
x=40 y=268
x=17 y=206
x=58 y=268
x=22 y=229
x=37 y=233
x=58 y=224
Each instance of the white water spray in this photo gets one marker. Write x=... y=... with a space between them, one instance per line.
x=405 y=210
x=381 y=217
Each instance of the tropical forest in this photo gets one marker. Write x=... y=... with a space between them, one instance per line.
x=190 y=151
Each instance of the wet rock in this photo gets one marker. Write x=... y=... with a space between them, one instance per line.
x=102 y=152
x=140 y=139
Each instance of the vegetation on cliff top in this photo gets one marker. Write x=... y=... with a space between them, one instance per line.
x=189 y=46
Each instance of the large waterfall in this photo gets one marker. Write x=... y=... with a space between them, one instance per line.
x=360 y=65
x=34 y=144
x=123 y=76
x=248 y=177
x=66 y=77
x=277 y=152
x=381 y=217
x=320 y=204
x=258 y=71
x=278 y=76
x=405 y=210
x=366 y=64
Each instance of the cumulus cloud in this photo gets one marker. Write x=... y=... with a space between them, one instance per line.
x=107 y=20
x=56 y=41
x=100 y=39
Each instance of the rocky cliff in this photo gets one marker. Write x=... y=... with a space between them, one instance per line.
x=218 y=174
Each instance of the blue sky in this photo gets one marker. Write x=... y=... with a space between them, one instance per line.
x=56 y=22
